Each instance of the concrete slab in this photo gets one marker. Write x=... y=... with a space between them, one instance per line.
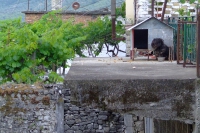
x=124 y=68
x=162 y=90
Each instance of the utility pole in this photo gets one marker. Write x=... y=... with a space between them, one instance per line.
x=113 y=16
x=28 y=4
x=163 y=12
x=152 y=8
x=46 y=5
x=198 y=42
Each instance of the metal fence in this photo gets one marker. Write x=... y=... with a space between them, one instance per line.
x=198 y=42
x=184 y=39
x=169 y=126
x=173 y=23
x=187 y=40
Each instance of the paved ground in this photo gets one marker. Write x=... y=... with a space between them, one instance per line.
x=124 y=68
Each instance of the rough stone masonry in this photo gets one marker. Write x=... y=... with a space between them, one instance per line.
x=164 y=91
x=35 y=109
x=93 y=101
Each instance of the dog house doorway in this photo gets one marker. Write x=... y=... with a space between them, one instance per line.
x=141 y=38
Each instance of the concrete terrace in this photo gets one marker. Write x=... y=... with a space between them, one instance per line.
x=162 y=90
x=124 y=68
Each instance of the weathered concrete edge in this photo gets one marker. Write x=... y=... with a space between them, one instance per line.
x=197 y=111
x=100 y=93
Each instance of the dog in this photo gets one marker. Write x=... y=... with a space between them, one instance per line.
x=160 y=49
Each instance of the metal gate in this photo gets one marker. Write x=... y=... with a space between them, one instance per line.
x=186 y=42
x=166 y=126
x=184 y=39
x=174 y=23
x=198 y=42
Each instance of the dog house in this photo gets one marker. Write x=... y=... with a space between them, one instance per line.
x=144 y=32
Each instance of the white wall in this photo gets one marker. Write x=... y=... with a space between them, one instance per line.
x=130 y=11
x=142 y=10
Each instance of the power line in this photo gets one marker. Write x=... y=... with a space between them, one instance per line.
x=99 y=2
x=104 y=7
x=16 y=5
x=41 y=7
x=32 y=2
x=12 y=8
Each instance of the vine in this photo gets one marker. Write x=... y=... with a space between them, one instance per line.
x=29 y=50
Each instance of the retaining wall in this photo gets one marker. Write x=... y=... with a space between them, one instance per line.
x=36 y=109
x=26 y=109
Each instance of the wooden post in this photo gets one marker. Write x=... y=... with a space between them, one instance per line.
x=178 y=43
x=163 y=12
x=152 y=8
x=198 y=42
x=28 y=5
x=46 y=5
x=60 y=111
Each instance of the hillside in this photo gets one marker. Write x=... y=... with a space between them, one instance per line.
x=10 y=9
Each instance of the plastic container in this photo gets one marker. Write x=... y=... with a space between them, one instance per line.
x=161 y=59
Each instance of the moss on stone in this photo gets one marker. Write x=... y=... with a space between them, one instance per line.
x=34 y=101
x=46 y=100
x=7 y=109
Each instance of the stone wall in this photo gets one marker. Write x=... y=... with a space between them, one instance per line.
x=84 y=17
x=30 y=18
x=128 y=41
x=25 y=108
x=154 y=98
x=33 y=109
x=85 y=119
x=197 y=111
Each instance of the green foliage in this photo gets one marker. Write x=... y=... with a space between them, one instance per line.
x=25 y=76
x=54 y=78
x=190 y=1
x=27 y=50
x=181 y=12
x=182 y=1
x=99 y=33
x=191 y=48
x=121 y=11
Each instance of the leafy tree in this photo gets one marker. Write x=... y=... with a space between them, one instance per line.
x=121 y=11
x=190 y=1
x=29 y=50
x=99 y=34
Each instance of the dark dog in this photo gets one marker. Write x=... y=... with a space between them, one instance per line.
x=160 y=49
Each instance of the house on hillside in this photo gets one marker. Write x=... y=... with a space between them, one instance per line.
x=139 y=10
x=79 y=16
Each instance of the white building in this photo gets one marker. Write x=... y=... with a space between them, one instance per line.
x=139 y=10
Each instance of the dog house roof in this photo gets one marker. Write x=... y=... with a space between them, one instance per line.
x=146 y=20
